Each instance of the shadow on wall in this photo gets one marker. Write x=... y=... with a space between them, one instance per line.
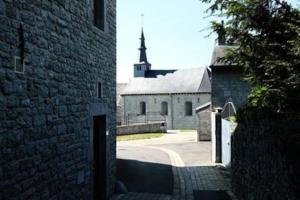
x=264 y=161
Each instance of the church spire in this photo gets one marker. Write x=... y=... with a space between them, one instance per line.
x=141 y=68
x=143 y=55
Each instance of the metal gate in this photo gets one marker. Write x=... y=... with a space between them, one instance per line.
x=226 y=131
x=226 y=142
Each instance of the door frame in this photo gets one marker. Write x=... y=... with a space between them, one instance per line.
x=99 y=159
x=97 y=109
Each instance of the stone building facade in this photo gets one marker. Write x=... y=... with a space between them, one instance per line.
x=228 y=93
x=176 y=118
x=227 y=81
x=172 y=98
x=120 y=89
x=57 y=99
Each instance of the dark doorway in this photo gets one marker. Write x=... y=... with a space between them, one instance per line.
x=99 y=143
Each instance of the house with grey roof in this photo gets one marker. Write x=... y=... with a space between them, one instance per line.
x=228 y=92
x=227 y=79
x=164 y=95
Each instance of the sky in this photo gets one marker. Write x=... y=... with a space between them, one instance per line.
x=175 y=31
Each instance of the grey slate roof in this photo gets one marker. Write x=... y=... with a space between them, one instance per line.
x=155 y=73
x=219 y=52
x=181 y=81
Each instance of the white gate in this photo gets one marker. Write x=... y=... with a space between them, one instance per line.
x=226 y=142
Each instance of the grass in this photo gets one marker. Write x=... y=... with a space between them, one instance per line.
x=140 y=136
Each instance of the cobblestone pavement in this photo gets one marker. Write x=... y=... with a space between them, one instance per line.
x=187 y=178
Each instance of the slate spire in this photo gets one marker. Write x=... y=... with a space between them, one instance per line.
x=143 y=55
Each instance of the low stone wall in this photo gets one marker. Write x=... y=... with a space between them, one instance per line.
x=263 y=163
x=154 y=127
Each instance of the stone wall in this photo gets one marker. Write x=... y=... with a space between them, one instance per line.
x=46 y=114
x=157 y=127
x=227 y=83
x=261 y=164
x=176 y=118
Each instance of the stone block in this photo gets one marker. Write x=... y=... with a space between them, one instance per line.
x=61 y=129
x=14 y=137
x=39 y=120
x=2 y=7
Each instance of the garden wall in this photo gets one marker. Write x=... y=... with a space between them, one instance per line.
x=142 y=128
x=264 y=156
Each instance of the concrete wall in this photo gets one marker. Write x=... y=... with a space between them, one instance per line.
x=46 y=114
x=176 y=118
x=227 y=83
x=204 y=123
x=265 y=163
x=157 y=127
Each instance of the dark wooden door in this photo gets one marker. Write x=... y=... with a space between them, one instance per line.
x=99 y=167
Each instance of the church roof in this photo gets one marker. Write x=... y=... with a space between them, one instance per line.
x=181 y=81
x=155 y=73
x=120 y=89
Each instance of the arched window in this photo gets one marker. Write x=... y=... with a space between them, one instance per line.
x=142 y=108
x=188 y=108
x=164 y=108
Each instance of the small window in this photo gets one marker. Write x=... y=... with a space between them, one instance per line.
x=164 y=108
x=178 y=100
x=19 y=66
x=155 y=100
x=99 y=13
x=198 y=100
x=99 y=90
x=188 y=108
x=142 y=108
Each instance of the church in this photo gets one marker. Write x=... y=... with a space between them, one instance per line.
x=164 y=95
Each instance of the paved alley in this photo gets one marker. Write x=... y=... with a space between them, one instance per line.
x=193 y=174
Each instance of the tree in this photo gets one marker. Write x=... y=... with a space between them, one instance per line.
x=266 y=34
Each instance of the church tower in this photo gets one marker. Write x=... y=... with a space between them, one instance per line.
x=143 y=65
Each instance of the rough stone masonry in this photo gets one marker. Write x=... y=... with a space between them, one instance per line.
x=47 y=108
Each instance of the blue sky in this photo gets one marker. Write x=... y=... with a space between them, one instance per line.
x=175 y=32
